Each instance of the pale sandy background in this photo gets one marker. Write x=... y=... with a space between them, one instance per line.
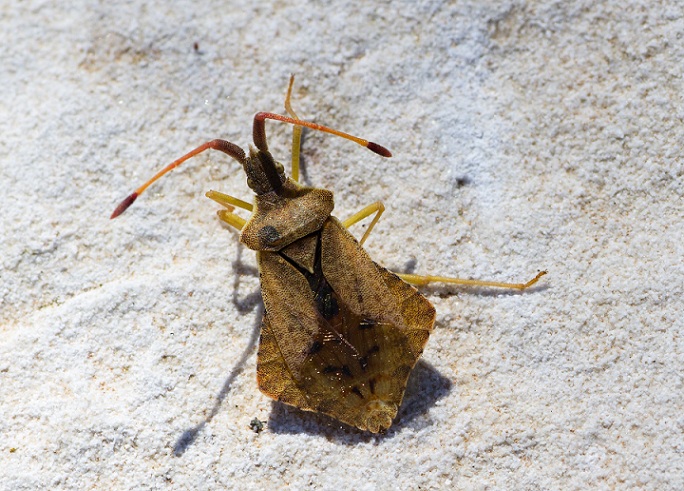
x=526 y=136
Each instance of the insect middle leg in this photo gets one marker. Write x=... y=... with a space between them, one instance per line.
x=378 y=208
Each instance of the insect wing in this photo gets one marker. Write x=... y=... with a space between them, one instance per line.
x=342 y=337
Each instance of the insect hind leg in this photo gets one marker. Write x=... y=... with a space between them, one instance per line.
x=421 y=280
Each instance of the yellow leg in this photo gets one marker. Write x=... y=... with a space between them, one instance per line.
x=378 y=208
x=296 y=133
x=227 y=200
x=420 y=280
x=230 y=203
x=231 y=218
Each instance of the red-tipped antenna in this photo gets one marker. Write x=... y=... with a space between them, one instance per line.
x=259 y=133
x=259 y=136
x=224 y=146
x=123 y=206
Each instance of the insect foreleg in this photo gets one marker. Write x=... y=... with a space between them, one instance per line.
x=378 y=208
x=228 y=201
x=231 y=218
x=296 y=133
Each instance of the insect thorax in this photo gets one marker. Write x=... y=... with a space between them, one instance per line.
x=281 y=217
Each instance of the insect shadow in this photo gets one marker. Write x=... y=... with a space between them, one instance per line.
x=250 y=301
x=425 y=387
x=245 y=304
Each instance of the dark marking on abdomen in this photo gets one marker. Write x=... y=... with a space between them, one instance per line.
x=357 y=391
x=363 y=361
x=315 y=347
x=343 y=370
x=326 y=303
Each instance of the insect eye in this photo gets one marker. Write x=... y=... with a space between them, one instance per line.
x=250 y=183
x=279 y=167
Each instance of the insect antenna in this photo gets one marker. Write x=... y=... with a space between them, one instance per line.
x=224 y=146
x=259 y=133
x=259 y=137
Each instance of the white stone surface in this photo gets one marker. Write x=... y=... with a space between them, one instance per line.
x=526 y=136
